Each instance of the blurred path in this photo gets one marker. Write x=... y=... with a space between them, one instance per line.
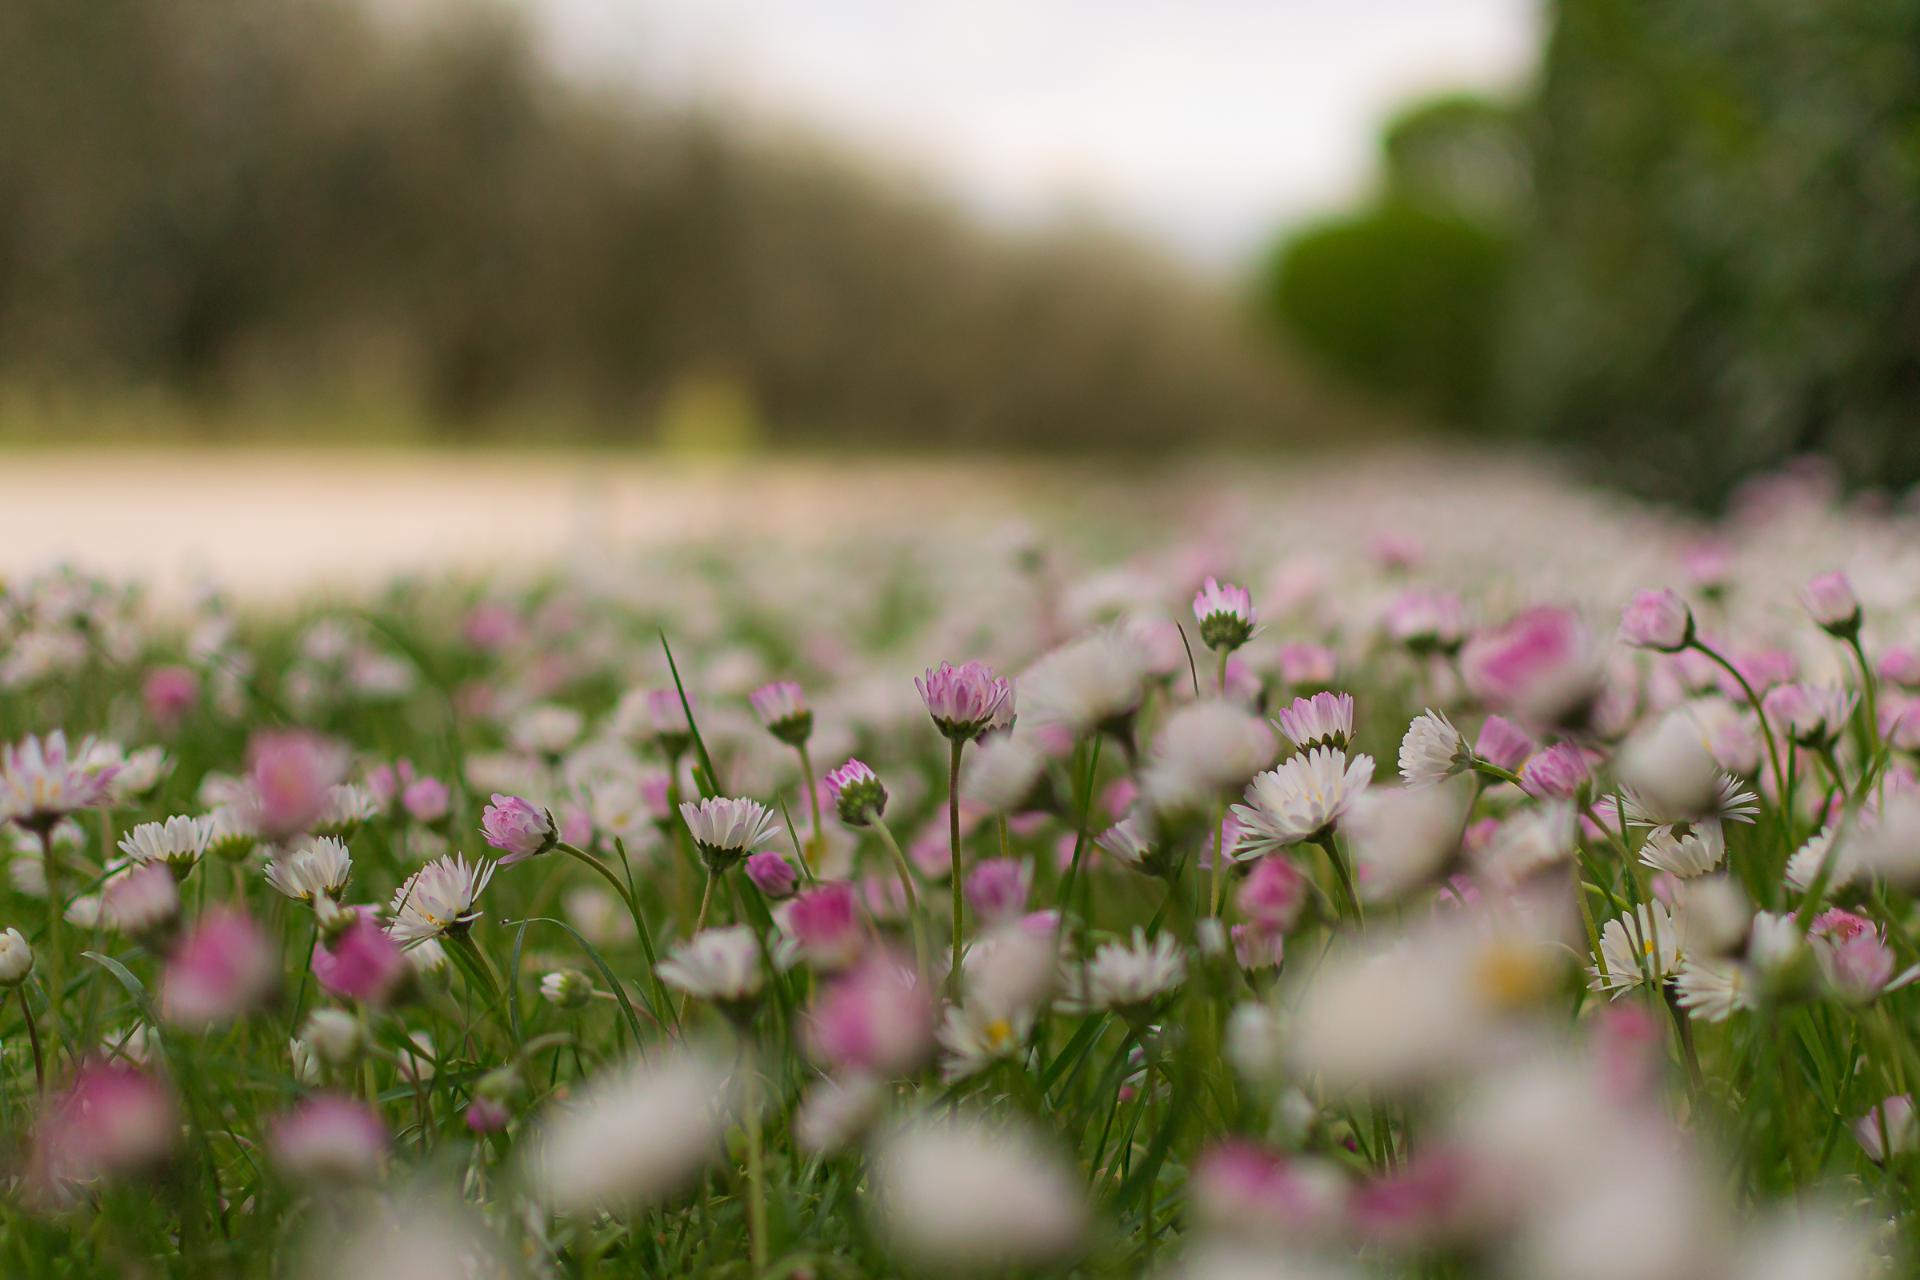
x=270 y=524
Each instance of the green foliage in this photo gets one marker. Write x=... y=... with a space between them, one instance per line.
x=1403 y=296
x=1724 y=265
x=1400 y=299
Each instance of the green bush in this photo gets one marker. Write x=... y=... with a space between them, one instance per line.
x=1723 y=265
x=1400 y=299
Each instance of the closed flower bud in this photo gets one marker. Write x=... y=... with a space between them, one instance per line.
x=858 y=796
x=772 y=874
x=1657 y=620
x=782 y=709
x=1831 y=603
x=518 y=829
x=1225 y=614
x=566 y=988
x=16 y=958
x=334 y=1035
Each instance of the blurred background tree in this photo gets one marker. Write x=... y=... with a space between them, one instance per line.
x=1403 y=296
x=238 y=203
x=1692 y=251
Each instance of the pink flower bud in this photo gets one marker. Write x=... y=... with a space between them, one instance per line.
x=169 y=694
x=362 y=963
x=1831 y=603
x=878 y=1019
x=114 y=1120
x=517 y=828
x=292 y=772
x=426 y=800
x=329 y=1140
x=1504 y=744
x=772 y=874
x=1273 y=893
x=224 y=967
x=997 y=890
x=1657 y=620
x=825 y=923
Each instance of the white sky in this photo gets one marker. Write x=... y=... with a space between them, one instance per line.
x=1202 y=123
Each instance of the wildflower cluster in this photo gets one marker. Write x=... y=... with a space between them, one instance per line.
x=1472 y=905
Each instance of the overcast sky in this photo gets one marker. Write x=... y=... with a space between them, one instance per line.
x=1203 y=123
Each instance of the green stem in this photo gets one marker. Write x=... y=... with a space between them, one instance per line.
x=813 y=802
x=756 y=1173
x=625 y=891
x=1345 y=877
x=905 y=871
x=56 y=924
x=33 y=1038
x=953 y=840
x=1766 y=730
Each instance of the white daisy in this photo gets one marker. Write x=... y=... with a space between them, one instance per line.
x=976 y=1036
x=1130 y=842
x=633 y=1135
x=1002 y=773
x=1648 y=945
x=546 y=729
x=178 y=842
x=1301 y=799
x=436 y=898
x=1731 y=801
x=1713 y=990
x=729 y=828
x=1325 y=719
x=1432 y=750
x=1692 y=852
x=348 y=807
x=1806 y=861
x=1128 y=976
x=1211 y=746
x=316 y=867
x=1095 y=682
x=721 y=965
x=1529 y=841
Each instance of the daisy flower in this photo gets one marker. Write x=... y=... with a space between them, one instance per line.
x=727 y=829
x=967 y=700
x=1432 y=750
x=1225 y=614
x=316 y=867
x=1713 y=990
x=782 y=710
x=1685 y=852
x=720 y=965
x=1093 y=684
x=1131 y=843
x=975 y=1037
x=1632 y=951
x=437 y=899
x=1128 y=977
x=177 y=843
x=41 y=781
x=1302 y=799
x=1325 y=719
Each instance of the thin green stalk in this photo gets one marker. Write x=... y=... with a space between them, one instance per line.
x=904 y=870
x=953 y=839
x=1753 y=699
x=56 y=924
x=813 y=802
x=33 y=1038
x=756 y=1171
x=626 y=894
x=1343 y=876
